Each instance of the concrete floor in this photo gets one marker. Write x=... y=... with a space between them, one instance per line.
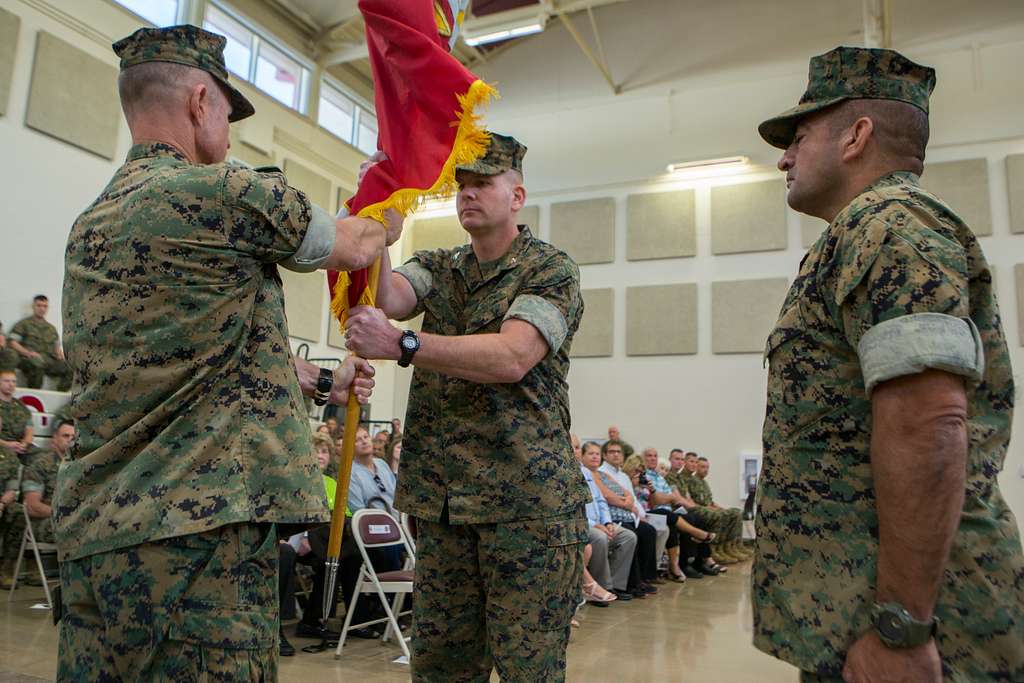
x=698 y=631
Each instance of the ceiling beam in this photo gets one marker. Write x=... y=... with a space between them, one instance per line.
x=345 y=53
x=599 y=64
x=877 y=24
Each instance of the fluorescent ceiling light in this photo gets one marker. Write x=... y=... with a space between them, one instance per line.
x=709 y=164
x=504 y=25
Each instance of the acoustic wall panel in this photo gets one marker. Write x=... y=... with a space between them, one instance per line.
x=810 y=230
x=426 y=234
x=251 y=156
x=585 y=229
x=1018 y=273
x=304 y=304
x=743 y=313
x=1015 y=189
x=963 y=185
x=530 y=216
x=73 y=97
x=9 y=25
x=316 y=187
x=660 y=225
x=596 y=334
x=335 y=337
x=748 y=217
x=661 y=320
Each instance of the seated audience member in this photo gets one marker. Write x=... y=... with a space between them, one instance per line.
x=37 y=343
x=9 y=465
x=680 y=479
x=612 y=545
x=38 y=481
x=332 y=426
x=395 y=455
x=16 y=430
x=380 y=445
x=621 y=507
x=593 y=593
x=324 y=429
x=731 y=519
x=311 y=550
x=8 y=356
x=614 y=466
x=372 y=485
x=690 y=545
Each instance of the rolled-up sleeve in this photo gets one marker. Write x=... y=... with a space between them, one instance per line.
x=551 y=301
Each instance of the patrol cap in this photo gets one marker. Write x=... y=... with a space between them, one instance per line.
x=848 y=73
x=504 y=153
x=188 y=45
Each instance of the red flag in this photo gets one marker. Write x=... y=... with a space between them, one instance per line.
x=426 y=104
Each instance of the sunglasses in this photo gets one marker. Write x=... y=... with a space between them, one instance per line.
x=380 y=484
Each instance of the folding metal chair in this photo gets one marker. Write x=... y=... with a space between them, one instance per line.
x=408 y=526
x=38 y=549
x=373 y=528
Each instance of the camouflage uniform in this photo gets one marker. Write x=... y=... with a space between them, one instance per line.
x=193 y=437
x=895 y=252
x=15 y=418
x=40 y=476
x=40 y=336
x=488 y=469
x=8 y=356
x=728 y=522
x=8 y=482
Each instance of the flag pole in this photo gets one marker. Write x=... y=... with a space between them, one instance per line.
x=348 y=449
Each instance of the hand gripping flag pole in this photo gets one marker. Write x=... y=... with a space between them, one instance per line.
x=428 y=125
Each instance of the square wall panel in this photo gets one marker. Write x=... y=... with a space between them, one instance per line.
x=73 y=97
x=743 y=313
x=427 y=234
x=748 y=217
x=963 y=186
x=305 y=305
x=810 y=230
x=596 y=334
x=9 y=25
x=660 y=225
x=1015 y=190
x=250 y=156
x=530 y=216
x=585 y=229
x=661 y=320
x=1018 y=274
x=316 y=187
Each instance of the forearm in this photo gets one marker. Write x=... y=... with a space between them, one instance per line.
x=657 y=499
x=26 y=439
x=482 y=358
x=38 y=510
x=918 y=463
x=358 y=242
x=19 y=348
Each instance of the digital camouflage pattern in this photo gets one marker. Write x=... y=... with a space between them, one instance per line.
x=504 y=153
x=15 y=418
x=853 y=73
x=726 y=522
x=894 y=250
x=534 y=570
x=186 y=45
x=188 y=408
x=40 y=336
x=8 y=357
x=495 y=452
x=40 y=476
x=194 y=608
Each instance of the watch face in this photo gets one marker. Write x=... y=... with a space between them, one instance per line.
x=891 y=626
x=409 y=343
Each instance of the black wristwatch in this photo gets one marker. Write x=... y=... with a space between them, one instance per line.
x=409 y=344
x=323 y=387
x=897 y=629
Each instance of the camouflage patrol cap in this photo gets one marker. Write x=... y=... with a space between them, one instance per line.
x=504 y=153
x=847 y=73
x=187 y=45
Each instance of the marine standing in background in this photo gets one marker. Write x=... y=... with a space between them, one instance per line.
x=885 y=550
x=37 y=343
x=194 y=438
x=487 y=465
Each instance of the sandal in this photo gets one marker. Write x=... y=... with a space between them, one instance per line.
x=595 y=593
x=676 y=578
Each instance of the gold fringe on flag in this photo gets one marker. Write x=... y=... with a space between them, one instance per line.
x=471 y=143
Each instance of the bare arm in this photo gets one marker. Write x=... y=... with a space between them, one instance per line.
x=504 y=357
x=344 y=377
x=658 y=499
x=613 y=498
x=358 y=241
x=21 y=349
x=395 y=296
x=33 y=501
x=918 y=463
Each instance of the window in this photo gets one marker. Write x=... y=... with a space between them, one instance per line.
x=259 y=59
x=279 y=76
x=156 y=12
x=238 y=51
x=367 y=141
x=342 y=115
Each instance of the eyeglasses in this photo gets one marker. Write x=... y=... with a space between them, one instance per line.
x=380 y=484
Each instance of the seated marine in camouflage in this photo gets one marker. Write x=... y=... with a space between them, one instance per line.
x=37 y=343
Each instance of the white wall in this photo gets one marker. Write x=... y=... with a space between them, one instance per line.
x=584 y=142
x=49 y=182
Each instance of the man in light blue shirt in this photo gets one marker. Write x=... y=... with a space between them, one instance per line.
x=612 y=546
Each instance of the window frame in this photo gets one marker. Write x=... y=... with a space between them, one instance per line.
x=360 y=107
x=180 y=13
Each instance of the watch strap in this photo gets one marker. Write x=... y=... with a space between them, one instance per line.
x=914 y=632
x=407 y=353
x=324 y=383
